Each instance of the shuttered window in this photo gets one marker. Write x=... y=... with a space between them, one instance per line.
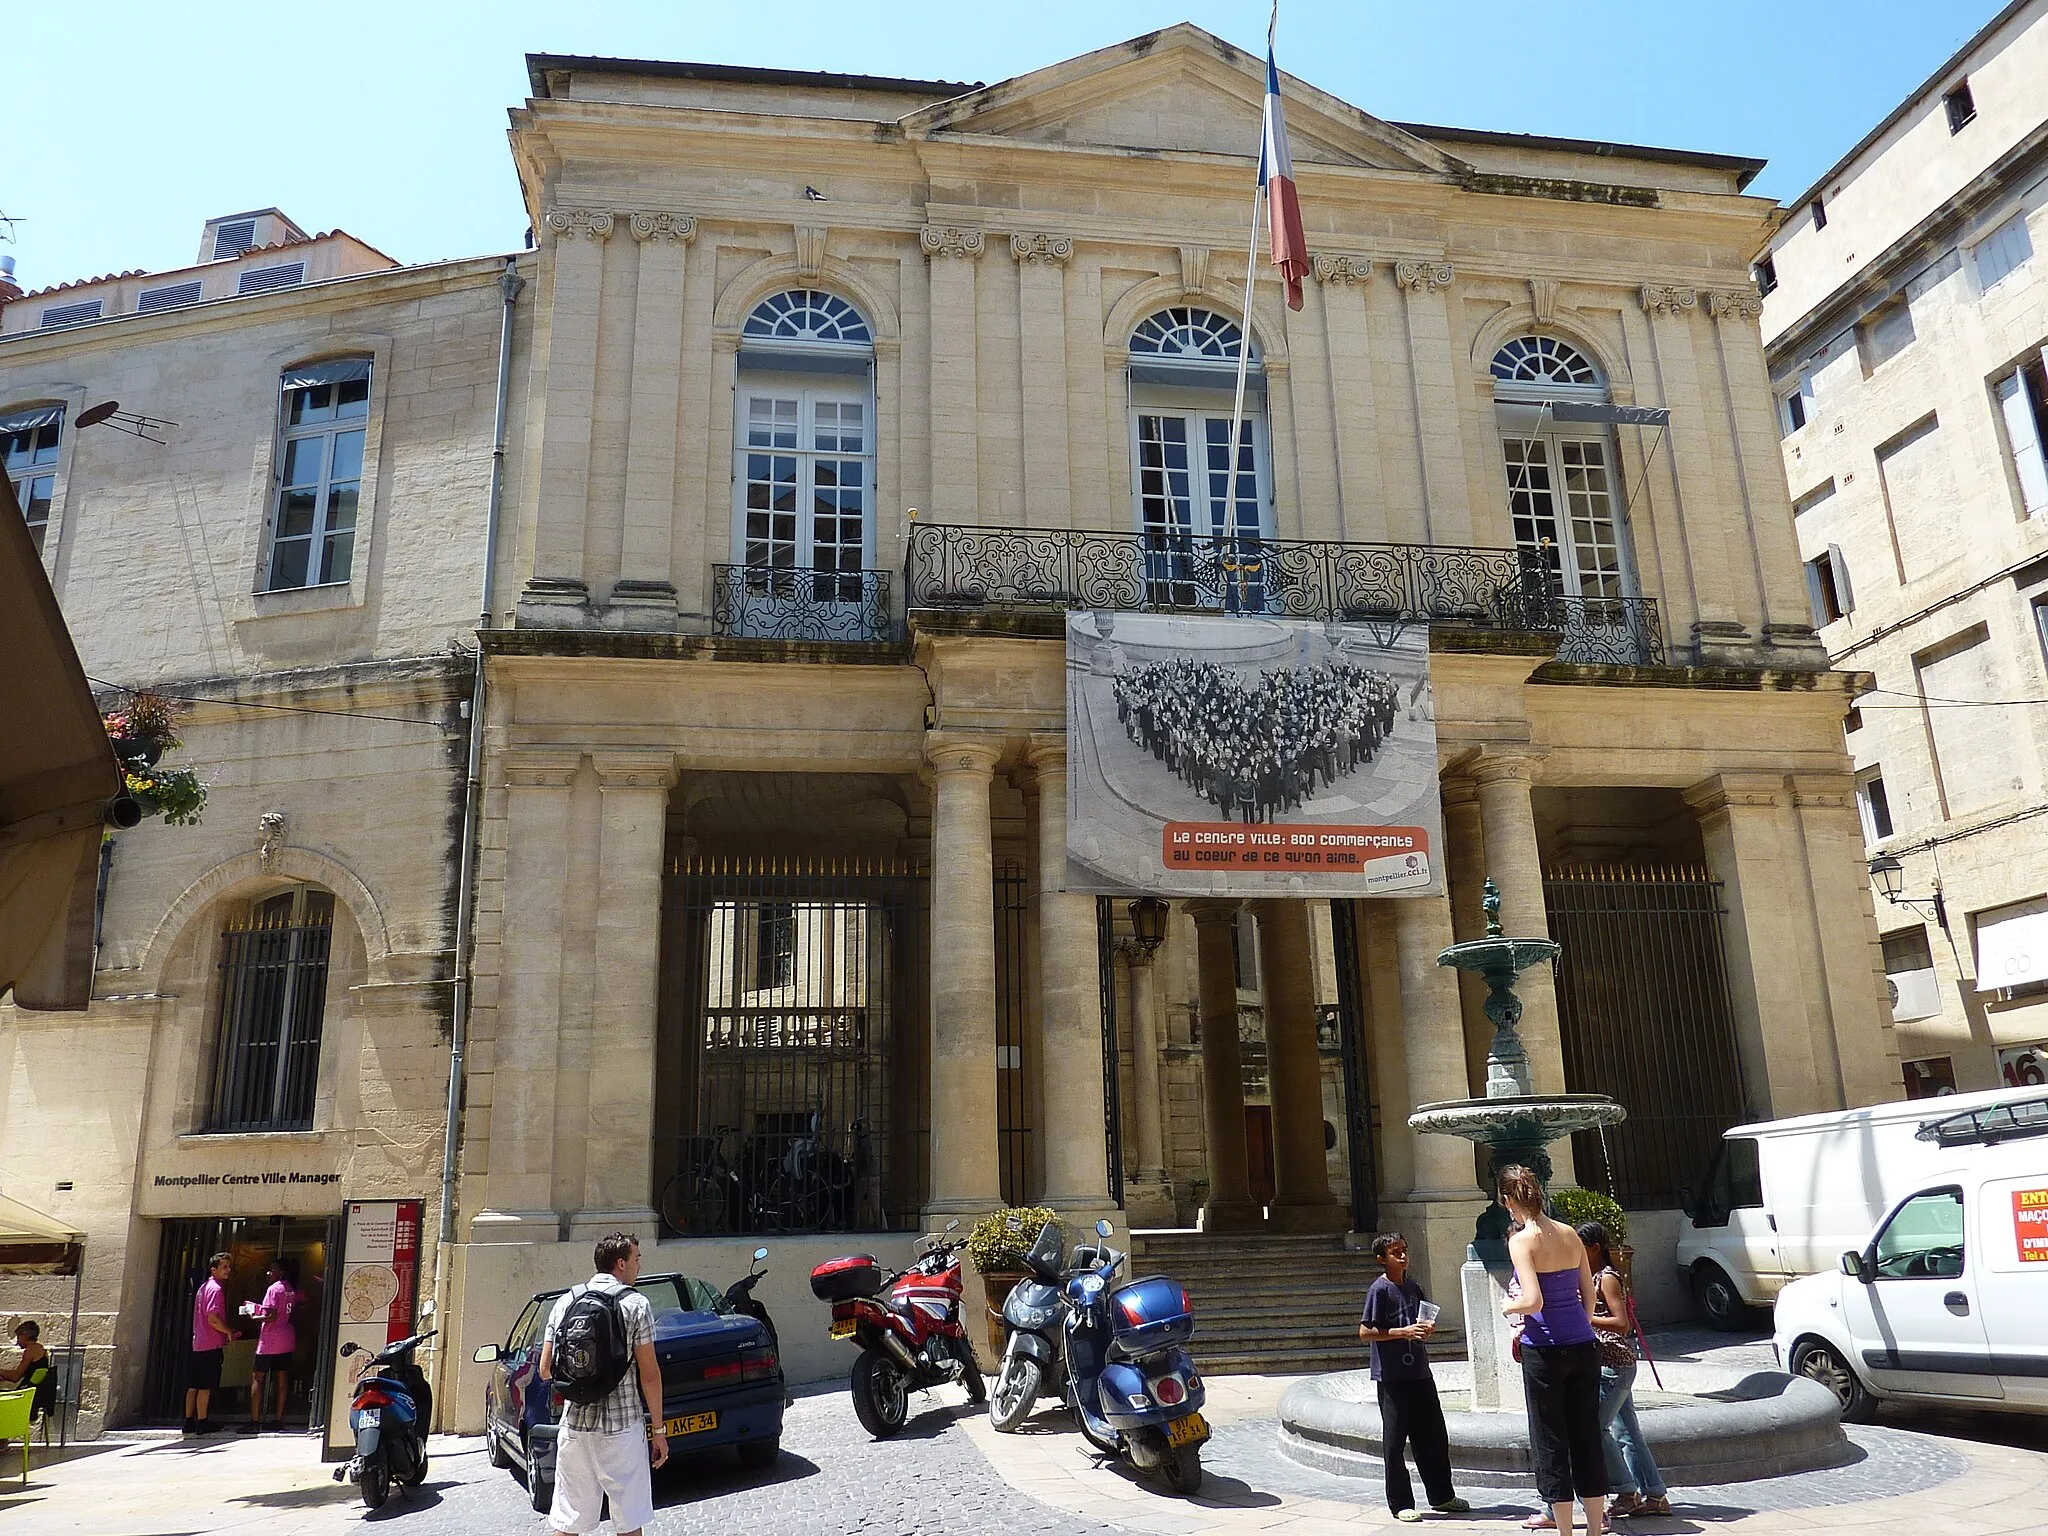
x=169 y=297
x=72 y=314
x=264 y=279
x=233 y=239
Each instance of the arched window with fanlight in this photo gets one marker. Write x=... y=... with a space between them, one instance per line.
x=1561 y=473
x=1202 y=526
x=803 y=457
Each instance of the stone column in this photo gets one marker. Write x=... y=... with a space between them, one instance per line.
x=644 y=596
x=1229 y=1207
x=519 y=1184
x=1515 y=864
x=1750 y=848
x=618 y=1190
x=1148 y=1198
x=966 y=1177
x=1074 y=1130
x=1302 y=1201
x=955 y=416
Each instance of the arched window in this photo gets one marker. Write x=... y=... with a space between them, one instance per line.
x=1202 y=527
x=1560 y=473
x=804 y=456
x=273 y=970
x=1543 y=360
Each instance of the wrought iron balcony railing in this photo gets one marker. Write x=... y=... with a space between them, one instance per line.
x=786 y=603
x=964 y=568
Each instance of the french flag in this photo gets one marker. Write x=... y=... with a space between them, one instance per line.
x=1276 y=180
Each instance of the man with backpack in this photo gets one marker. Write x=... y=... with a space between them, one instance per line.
x=599 y=1354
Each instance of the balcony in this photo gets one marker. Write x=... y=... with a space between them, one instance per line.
x=966 y=569
x=785 y=603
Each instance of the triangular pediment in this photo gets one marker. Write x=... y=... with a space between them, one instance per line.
x=1180 y=90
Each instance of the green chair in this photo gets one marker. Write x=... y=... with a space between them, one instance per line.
x=15 y=1408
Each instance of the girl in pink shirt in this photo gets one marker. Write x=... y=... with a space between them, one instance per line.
x=275 y=1342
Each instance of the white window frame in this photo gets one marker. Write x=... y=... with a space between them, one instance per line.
x=808 y=395
x=1214 y=509
x=324 y=532
x=1999 y=242
x=1574 y=560
x=1866 y=810
x=36 y=464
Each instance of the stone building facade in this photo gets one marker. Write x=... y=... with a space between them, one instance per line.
x=1905 y=332
x=268 y=1033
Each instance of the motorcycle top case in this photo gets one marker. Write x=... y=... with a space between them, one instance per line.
x=1148 y=1315
x=847 y=1279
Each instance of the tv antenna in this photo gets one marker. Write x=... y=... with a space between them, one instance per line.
x=132 y=422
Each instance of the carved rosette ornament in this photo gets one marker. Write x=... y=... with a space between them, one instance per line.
x=1663 y=298
x=592 y=223
x=1423 y=276
x=1735 y=304
x=662 y=226
x=949 y=240
x=1343 y=269
x=1053 y=250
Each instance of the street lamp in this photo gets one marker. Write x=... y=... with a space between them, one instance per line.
x=1148 y=923
x=1889 y=874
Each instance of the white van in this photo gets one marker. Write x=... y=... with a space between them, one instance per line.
x=1785 y=1198
x=1946 y=1299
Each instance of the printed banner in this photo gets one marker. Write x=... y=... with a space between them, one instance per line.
x=1244 y=757
x=380 y=1266
x=2030 y=1224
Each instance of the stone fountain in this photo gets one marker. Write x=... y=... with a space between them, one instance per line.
x=1763 y=1426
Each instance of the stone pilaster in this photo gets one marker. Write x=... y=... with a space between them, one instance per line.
x=1425 y=288
x=1361 y=495
x=1850 y=964
x=951 y=255
x=966 y=1177
x=1229 y=1206
x=1042 y=336
x=1302 y=1201
x=644 y=596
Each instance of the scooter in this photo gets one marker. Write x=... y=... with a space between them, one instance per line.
x=913 y=1341
x=1032 y=1365
x=739 y=1297
x=392 y=1408
x=1133 y=1388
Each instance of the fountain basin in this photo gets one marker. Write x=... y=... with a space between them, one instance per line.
x=1498 y=953
x=1517 y=1120
x=1767 y=1425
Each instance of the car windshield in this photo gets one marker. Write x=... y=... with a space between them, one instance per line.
x=671 y=1293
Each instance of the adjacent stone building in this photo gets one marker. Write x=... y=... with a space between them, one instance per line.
x=1906 y=314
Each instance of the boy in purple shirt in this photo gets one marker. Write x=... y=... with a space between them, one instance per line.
x=275 y=1342
x=1410 y=1412
x=210 y=1335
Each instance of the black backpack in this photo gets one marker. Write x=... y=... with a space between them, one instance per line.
x=591 y=1357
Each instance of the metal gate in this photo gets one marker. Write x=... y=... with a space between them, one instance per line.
x=1112 y=1092
x=1015 y=1161
x=800 y=1056
x=1643 y=1005
x=1365 y=1184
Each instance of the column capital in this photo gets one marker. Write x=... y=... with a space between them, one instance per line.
x=962 y=752
x=1461 y=790
x=1041 y=246
x=635 y=770
x=651 y=225
x=1731 y=791
x=591 y=223
x=1212 y=909
x=1734 y=304
x=950 y=240
x=1831 y=790
x=541 y=767
x=1424 y=276
x=1669 y=299
x=1343 y=269
x=1046 y=751
x=1497 y=766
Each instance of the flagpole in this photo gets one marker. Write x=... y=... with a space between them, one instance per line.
x=1244 y=330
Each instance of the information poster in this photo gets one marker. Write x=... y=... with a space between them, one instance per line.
x=1246 y=757
x=2030 y=1224
x=376 y=1299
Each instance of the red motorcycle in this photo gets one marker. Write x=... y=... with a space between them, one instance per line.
x=911 y=1339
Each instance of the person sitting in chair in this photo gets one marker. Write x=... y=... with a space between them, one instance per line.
x=34 y=1364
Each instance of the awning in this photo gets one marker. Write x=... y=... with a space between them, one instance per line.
x=32 y=1243
x=2013 y=950
x=54 y=781
x=336 y=370
x=1613 y=415
x=850 y=362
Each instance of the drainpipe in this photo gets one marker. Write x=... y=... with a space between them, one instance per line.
x=472 y=805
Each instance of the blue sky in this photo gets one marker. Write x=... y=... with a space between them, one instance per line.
x=126 y=125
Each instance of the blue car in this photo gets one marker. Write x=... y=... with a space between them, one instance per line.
x=721 y=1378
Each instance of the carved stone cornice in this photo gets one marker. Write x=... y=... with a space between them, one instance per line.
x=635 y=769
x=950 y=240
x=1423 y=276
x=1052 y=250
x=1736 y=791
x=1343 y=269
x=1665 y=298
x=646 y=226
x=810 y=249
x=592 y=223
x=1734 y=303
x=541 y=767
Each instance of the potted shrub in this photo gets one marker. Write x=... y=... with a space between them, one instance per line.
x=141 y=733
x=1577 y=1206
x=997 y=1244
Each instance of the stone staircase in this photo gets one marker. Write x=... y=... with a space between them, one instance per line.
x=1270 y=1305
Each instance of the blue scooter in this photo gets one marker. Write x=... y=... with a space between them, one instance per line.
x=1134 y=1389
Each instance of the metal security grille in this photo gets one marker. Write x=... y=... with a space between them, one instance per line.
x=1344 y=1019
x=1112 y=1093
x=273 y=993
x=1013 y=1033
x=1642 y=1000
x=801 y=1057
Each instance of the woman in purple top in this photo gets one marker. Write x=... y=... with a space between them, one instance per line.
x=275 y=1342
x=1560 y=1362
